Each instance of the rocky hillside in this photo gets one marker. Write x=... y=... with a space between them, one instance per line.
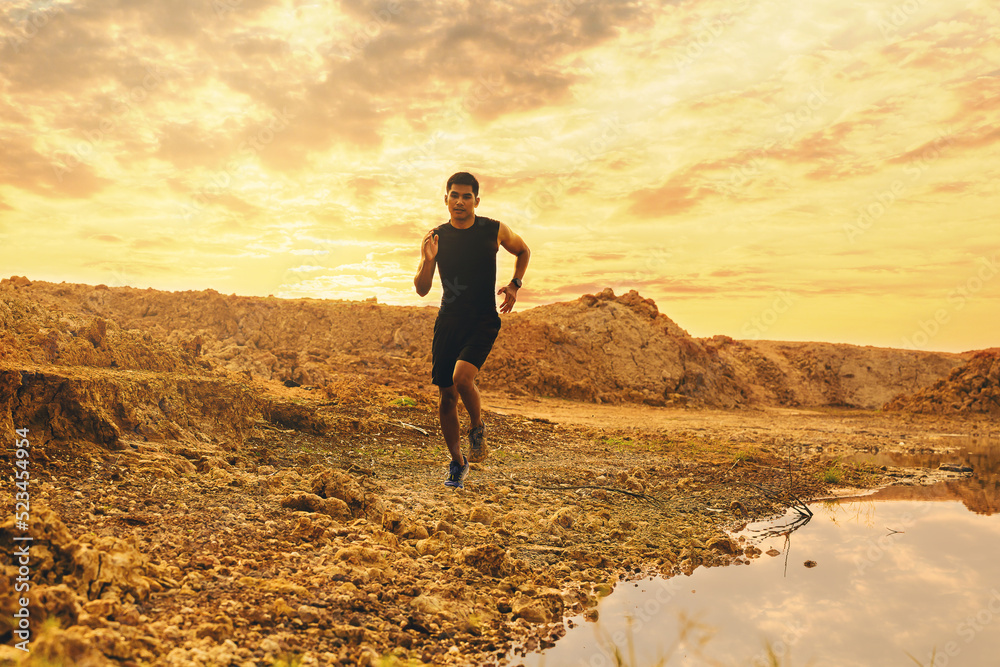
x=817 y=374
x=609 y=349
x=601 y=348
x=973 y=387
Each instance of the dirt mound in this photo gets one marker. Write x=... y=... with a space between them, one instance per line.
x=301 y=341
x=608 y=349
x=973 y=388
x=797 y=374
x=112 y=408
x=33 y=332
x=599 y=348
x=89 y=582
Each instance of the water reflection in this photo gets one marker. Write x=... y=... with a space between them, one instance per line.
x=981 y=493
x=891 y=579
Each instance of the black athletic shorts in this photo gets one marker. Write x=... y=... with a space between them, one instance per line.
x=467 y=338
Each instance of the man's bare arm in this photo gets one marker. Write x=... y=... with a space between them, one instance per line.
x=516 y=246
x=428 y=260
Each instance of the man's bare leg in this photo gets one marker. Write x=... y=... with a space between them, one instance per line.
x=448 y=413
x=465 y=383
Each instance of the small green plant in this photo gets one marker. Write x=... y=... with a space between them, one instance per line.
x=404 y=402
x=833 y=475
x=287 y=660
x=390 y=660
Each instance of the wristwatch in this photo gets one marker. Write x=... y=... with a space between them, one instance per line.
x=516 y=282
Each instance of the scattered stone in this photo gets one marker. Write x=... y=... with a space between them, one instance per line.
x=723 y=544
x=480 y=514
x=309 y=615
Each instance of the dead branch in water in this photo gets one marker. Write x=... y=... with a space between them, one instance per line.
x=786 y=498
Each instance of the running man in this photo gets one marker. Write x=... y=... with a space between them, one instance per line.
x=465 y=252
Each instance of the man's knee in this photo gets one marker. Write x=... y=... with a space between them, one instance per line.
x=464 y=376
x=449 y=398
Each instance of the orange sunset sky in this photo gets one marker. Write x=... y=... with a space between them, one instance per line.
x=820 y=170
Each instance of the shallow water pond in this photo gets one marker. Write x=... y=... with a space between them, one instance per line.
x=909 y=575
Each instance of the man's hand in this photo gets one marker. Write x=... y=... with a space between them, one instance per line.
x=428 y=256
x=429 y=247
x=509 y=297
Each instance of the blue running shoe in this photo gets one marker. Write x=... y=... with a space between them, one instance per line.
x=477 y=444
x=457 y=473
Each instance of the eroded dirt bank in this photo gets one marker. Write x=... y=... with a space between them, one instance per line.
x=327 y=537
x=598 y=348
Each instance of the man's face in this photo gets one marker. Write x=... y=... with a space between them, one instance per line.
x=461 y=203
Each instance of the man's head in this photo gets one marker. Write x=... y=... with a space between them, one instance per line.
x=463 y=178
x=462 y=198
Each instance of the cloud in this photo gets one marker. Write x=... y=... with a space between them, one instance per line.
x=680 y=193
x=26 y=168
x=263 y=132
x=309 y=251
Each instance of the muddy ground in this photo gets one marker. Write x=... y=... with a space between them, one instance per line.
x=328 y=538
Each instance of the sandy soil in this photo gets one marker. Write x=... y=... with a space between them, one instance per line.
x=313 y=544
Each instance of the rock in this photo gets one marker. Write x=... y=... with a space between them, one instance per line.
x=309 y=615
x=434 y=608
x=215 y=631
x=72 y=646
x=359 y=555
x=336 y=484
x=98 y=567
x=59 y=602
x=971 y=388
x=723 y=544
x=97 y=332
x=603 y=589
x=445 y=527
x=433 y=545
x=530 y=610
x=489 y=559
x=565 y=517
x=413 y=530
x=480 y=514
x=310 y=502
x=392 y=521
x=280 y=607
x=955 y=467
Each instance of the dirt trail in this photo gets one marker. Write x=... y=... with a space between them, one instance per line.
x=828 y=430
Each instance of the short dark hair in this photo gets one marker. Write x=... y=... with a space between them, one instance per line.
x=463 y=178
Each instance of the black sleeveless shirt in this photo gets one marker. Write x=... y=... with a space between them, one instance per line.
x=467 y=264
